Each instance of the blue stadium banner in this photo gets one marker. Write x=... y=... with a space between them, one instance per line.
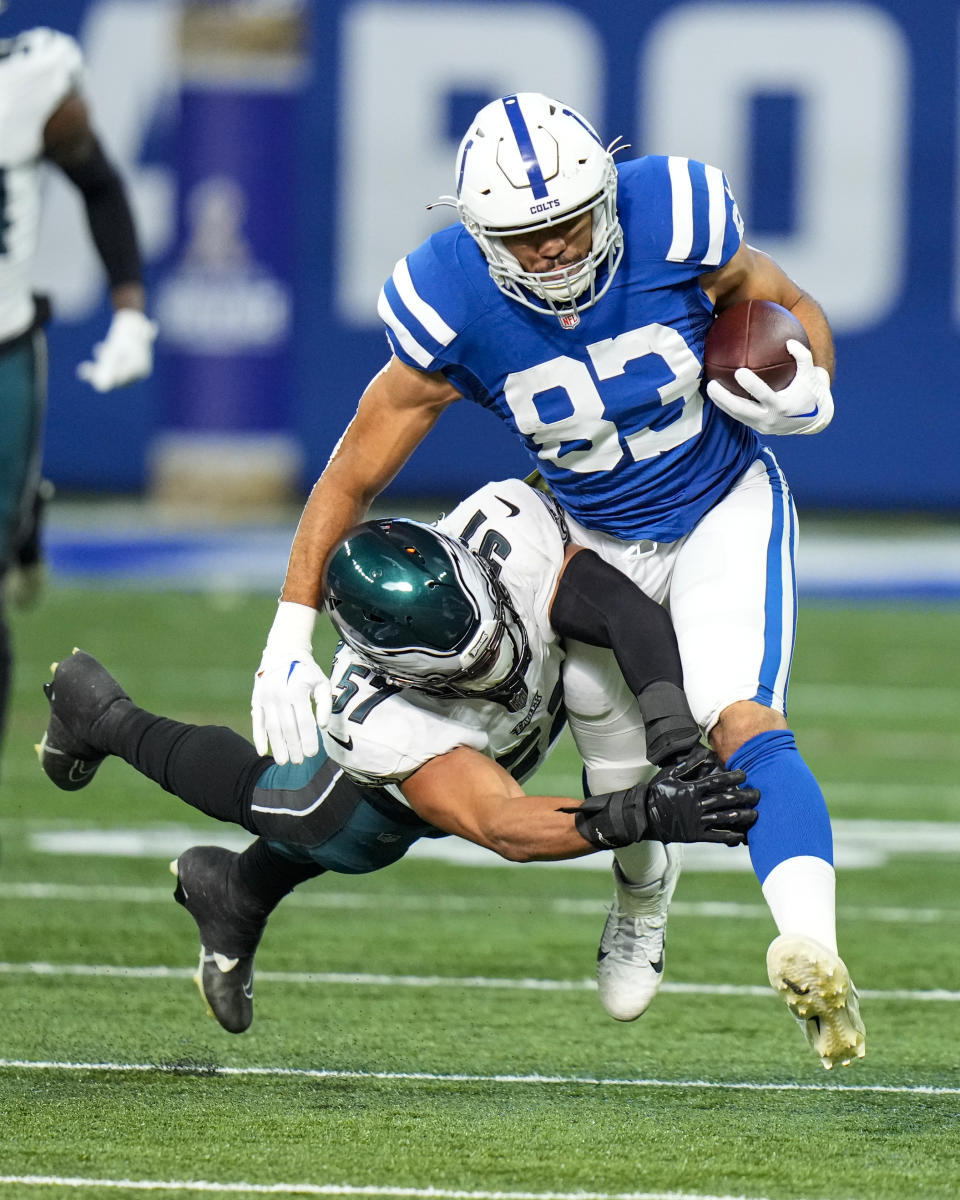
x=836 y=123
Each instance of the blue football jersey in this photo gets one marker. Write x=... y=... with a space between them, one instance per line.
x=612 y=407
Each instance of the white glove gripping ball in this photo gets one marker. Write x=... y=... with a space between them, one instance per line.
x=805 y=405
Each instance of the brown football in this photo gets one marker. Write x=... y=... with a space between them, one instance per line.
x=753 y=334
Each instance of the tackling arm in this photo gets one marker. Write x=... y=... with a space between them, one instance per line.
x=469 y=795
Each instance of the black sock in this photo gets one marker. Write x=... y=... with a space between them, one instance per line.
x=270 y=876
x=215 y=770
x=209 y=767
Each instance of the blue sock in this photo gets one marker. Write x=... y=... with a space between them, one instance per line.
x=793 y=817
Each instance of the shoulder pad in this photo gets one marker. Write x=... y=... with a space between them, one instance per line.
x=41 y=68
x=680 y=211
x=49 y=52
x=515 y=527
x=432 y=296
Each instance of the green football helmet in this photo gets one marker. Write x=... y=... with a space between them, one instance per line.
x=426 y=612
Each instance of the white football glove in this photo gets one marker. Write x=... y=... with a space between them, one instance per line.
x=805 y=405
x=124 y=355
x=284 y=722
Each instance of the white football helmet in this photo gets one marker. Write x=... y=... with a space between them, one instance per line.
x=528 y=162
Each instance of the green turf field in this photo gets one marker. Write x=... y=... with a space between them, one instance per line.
x=431 y=1030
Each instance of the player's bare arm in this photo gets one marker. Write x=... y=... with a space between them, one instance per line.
x=397 y=410
x=470 y=795
x=752 y=275
x=291 y=695
x=467 y=794
x=803 y=406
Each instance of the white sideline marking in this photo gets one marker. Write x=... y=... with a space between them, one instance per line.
x=374 y=901
x=741 y=1085
x=482 y=982
x=342 y=1189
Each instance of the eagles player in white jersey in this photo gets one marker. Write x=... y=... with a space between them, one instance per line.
x=448 y=695
x=44 y=119
x=572 y=299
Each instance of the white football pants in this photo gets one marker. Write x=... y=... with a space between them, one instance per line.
x=730 y=587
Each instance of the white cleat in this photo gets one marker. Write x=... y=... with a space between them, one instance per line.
x=631 y=954
x=815 y=985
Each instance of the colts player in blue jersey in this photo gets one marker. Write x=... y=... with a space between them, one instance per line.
x=572 y=299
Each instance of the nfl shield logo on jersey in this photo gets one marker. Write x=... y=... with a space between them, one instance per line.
x=569 y=320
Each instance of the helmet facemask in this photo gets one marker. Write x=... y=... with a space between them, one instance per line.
x=499 y=674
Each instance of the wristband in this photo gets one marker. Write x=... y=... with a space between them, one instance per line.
x=612 y=819
x=293 y=624
x=670 y=728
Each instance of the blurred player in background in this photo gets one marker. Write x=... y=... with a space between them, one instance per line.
x=43 y=118
x=573 y=300
x=450 y=692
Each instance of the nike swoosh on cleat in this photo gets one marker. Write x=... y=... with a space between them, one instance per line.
x=81 y=770
x=248 y=988
x=658 y=965
x=347 y=745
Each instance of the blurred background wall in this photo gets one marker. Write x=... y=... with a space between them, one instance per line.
x=280 y=156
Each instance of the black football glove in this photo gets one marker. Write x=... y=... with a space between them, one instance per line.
x=692 y=799
x=696 y=800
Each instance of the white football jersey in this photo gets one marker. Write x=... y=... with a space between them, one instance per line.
x=38 y=70
x=380 y=734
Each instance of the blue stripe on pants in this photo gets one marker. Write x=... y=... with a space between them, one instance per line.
x=782 y=518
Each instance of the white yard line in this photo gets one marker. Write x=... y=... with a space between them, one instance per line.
x=478 y=982
x=202 y=1071
x=723 y=910
x=339 y=1189
x=857 y=844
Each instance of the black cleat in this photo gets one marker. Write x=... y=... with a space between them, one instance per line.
x=230 y=922
x=81 y=695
